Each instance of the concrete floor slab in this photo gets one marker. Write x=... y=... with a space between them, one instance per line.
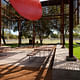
x=19 y=57
x=65 y=70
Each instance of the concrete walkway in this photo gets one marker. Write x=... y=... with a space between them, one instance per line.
x=64 y=70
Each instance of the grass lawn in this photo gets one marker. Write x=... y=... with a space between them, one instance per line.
x=12 y=45
x=76 y=50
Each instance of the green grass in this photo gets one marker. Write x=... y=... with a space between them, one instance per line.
x=76 y=50
x=12 y=45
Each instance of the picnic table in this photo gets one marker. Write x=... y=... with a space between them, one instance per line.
x=37 y=50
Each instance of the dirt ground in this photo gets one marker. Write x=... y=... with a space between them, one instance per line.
x=10 y=72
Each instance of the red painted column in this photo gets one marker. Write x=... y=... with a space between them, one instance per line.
x=71 y=57
x=0 y=22
x=62 y=24
x=77 y=11
x=71 y=28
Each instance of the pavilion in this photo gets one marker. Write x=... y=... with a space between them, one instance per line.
x=73 y=9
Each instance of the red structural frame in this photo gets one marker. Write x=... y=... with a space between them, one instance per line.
x=49 y=3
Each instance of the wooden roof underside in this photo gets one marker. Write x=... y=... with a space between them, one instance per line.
x=49 y=2
x=53 y=2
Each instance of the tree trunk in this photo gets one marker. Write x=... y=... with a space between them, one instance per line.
x=3 y=38
x=20 y=33
x=40 y=40
x=34 y=34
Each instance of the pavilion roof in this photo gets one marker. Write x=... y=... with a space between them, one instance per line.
x=53 y=2
x=49 y=2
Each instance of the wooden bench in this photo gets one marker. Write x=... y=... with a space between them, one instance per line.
x=4 y=49
x=47 y=48
x=33 y=53
x=37 y=50
x=47 y=67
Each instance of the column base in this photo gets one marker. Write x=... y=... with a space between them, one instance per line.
x=62 y=47
x=70 y=58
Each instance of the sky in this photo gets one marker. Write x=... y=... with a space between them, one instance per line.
x=15 y=33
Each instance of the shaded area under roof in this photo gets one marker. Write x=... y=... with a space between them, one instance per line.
x=53 y=2
x=49 y=2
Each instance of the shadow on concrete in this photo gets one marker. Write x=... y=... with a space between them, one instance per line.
x=63 y=74
x=6 y=55
x=33 y=65
x=14 y=69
